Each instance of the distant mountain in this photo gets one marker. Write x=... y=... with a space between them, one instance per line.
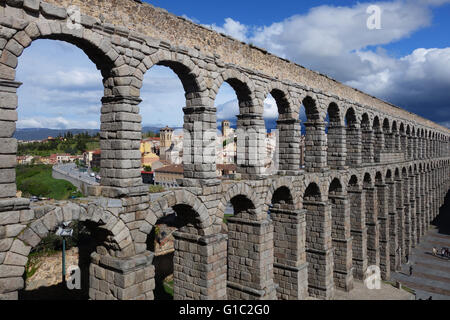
x=29 y=134
x=43 y=133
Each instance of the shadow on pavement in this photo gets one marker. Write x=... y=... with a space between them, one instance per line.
x=442 y=221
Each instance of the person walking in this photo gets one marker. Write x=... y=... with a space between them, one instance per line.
x=410 y=270
x=434 y=251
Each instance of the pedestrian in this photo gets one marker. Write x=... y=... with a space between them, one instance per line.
x=410 y=270
x=407 y=259
x=434 y=251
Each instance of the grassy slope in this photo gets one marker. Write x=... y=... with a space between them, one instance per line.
x=37 y=181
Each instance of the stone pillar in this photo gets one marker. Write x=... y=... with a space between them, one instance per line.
x=415 y=148
x=342 y=241
x=319 y=251
x=120 y=137
x=383 y=220
x=403 y=147
x=397 y=143
x=289 y=148
x=354 y=146
x=423 y=205
x=409 y=147
x=419 y=211
x=401 y=218
x=8 y=149
x=368 y=153
x=407 y=216
x=199 y=141
x=394 y=254
x=388 y=140
x=337 y=147
x=419 y=147
x=373 y=246
x=413 y=210
x=290 y=267
x=315 y=147
x=251 y=146
x=358 y=232
x=250 y=260
x=378 y=144
x=121 y=278
x=200 y=267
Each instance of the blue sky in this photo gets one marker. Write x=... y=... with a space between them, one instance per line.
x=407 y=62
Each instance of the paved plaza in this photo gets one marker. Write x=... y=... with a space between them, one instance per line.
x=431 y=274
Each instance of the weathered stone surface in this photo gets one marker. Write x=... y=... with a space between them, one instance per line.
x=32 y=5
x=53 y=10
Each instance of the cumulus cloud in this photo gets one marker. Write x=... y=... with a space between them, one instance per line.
x=335 y=40
x=232 y=28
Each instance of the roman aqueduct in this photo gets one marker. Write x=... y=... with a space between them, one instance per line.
x=373 y=181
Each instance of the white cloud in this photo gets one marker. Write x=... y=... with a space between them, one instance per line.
x=56 y=123
x=335 y=40
x=232 y=28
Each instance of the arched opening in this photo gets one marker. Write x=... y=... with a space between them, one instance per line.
x=242 y=133
x=396 y=137
x=379 y=139
x=353 y=139
x=58 y=121
x=315 y=137
x=367 y=149
x=341 y=236
x=43 y=279
x=388 y=138
x=336 y=138
x=166 y=88
x=184 y=260
x=57 y=135
x=285 y=147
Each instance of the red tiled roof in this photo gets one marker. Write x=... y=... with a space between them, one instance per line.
x=171 y=169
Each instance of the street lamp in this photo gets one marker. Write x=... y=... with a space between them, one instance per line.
x=64 y=231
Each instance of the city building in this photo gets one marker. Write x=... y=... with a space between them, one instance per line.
x=167 y=176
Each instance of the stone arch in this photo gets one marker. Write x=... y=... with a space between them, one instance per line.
x=335 y=113
x=240 y=82
x=96 y=46
x=283 y=98
x=242 y=191
x=111 y=232
x=350 y=116
x=187 y=71
x=312 y=110
x=285 y=184
x=178 y=200
x=104 y=54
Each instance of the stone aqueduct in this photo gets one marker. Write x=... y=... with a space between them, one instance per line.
x=372 y=184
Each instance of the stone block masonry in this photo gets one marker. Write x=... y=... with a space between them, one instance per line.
x=370 y=188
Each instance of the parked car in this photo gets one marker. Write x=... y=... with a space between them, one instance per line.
x=34 y=199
